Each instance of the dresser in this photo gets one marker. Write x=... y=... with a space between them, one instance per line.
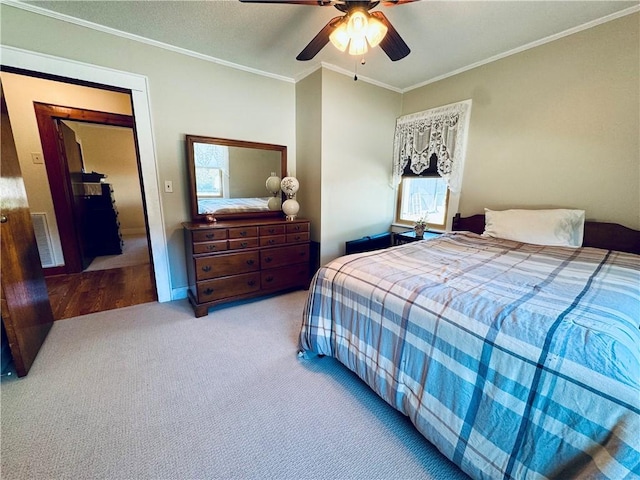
x=239 y=259
x=100 y=220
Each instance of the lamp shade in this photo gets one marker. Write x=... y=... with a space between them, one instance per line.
x=273 y=183
x=274 y=203
x=289 y=186
x=290 y=208
x=376 y=30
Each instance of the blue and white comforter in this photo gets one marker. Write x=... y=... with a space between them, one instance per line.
x=517 y=361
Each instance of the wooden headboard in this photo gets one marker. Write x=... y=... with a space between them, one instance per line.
x=610 y=236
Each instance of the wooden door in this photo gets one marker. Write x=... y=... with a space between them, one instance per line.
x=25 y=308
x=70 y=149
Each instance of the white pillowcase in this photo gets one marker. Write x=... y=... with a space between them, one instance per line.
x=556 y=227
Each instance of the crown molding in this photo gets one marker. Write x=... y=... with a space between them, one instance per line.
x=537 y=43
x=140 y=39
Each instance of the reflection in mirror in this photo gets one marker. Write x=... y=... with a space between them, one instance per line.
x=227 y=177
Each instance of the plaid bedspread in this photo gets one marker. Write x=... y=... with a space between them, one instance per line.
x=517 y=361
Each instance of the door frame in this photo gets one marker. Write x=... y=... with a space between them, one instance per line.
x=58 y=171
x=74 y=72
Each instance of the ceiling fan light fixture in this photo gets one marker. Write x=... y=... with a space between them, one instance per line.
x=358 y=46
x=376 y=30
x=340 y=37
x=357 y=24
x=358 y=32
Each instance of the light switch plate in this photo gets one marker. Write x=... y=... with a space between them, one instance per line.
x=37 y=158
x=168 y=186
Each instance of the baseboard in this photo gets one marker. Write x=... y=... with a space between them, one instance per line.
x=179 y=293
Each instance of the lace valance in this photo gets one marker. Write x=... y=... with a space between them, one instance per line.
x=438 y=135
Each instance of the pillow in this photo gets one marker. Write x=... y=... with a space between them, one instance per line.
x=556 y=227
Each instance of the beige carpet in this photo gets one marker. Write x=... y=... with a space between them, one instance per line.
x=134 y=252
x=151 y=392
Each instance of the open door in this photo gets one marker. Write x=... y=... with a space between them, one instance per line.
x=25 y=308
x=70 y=149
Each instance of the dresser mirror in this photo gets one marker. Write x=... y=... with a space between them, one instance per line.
x=227 y=177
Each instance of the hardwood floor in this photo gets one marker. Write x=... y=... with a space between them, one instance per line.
x=96 y=291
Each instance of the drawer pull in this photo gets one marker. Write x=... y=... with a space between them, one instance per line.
x=298 y=237
x=210 y=235
x=206 y=268
x=250 y=261
x=297 y=228
x=271 y=241
x=244 y=244
x=243 y=233
x=211 y=247
x=208 y=291
x=303 y=254
x=251 y=283
x=272 y=230
x=268 y=259
x=269 y=279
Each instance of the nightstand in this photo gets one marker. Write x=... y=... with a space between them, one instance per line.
x=410 y=236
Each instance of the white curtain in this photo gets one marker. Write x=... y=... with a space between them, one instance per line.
x=441 y=132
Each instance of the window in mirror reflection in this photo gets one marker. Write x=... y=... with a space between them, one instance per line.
x=212 y=167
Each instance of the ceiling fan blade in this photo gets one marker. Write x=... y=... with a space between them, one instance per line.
x=317 y=3
x=391 y=3
x=392 y=43
x=319 y=41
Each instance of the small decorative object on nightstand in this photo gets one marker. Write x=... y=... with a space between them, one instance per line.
x=420 y=226
x=290 y=207
x=411 y=236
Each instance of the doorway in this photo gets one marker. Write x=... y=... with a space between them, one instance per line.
x=121 y=286
x=45 y=66
x=94 y=178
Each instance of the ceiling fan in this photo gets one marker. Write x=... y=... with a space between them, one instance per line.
x=356 y=31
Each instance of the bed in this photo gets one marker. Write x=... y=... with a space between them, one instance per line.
x=232 y=205
x=515 y=360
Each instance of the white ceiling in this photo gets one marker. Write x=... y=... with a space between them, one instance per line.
x=444 y=36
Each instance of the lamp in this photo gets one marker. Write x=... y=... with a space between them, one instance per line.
x=358 y=31
x=273 y=187
x=290 y=206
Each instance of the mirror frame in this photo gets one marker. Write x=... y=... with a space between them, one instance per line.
x=191 y=169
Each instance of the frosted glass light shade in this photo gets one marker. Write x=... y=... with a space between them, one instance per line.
x=290 y=186
x=376 y=30
x=340 y=37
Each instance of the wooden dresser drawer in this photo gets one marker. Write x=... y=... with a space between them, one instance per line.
x=272 y=230
x=240 y=243
x=210 y=247
x=243 y=232
x=228 y=286
x=297 y=227
x=297 y=237
x=278 y=257
x=273 y=240
x=226 y=264
x=285 y=277
x=209 y=235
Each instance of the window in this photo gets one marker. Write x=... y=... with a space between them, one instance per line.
x=211 y=161
x=423 y=197
x=428 y=162
x=209 y=181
